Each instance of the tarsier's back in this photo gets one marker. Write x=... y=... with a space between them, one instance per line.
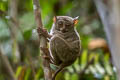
x=65 y=42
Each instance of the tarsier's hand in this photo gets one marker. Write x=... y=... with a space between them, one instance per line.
x=44 y=32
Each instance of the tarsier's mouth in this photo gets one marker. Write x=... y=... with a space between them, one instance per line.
x=63 y=30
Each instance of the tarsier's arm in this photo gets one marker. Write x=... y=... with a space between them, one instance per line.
x=59 y=47
x=43 y=32
x=76 y=46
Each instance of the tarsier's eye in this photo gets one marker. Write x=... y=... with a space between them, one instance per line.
x=60 y=22
x=67 y=24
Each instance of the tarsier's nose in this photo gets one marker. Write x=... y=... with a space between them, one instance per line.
x=63 y=28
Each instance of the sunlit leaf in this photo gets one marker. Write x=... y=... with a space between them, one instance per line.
x=106 y=77
x=27 y=74
x=39 y=73
x=76 y=65
x=84 y=59
x=74 y=77
x=67 y=76
x=107 y=65
x=92 y=69
x=100 y=69
x=70 y=69
x=18 y=71
x=97 y=56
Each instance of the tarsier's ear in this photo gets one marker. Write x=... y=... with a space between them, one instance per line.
x=75 y=20
x=55 y=19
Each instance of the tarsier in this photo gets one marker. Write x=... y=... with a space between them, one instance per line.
x=64 y=42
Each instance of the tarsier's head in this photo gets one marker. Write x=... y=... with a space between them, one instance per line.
x=64 y=23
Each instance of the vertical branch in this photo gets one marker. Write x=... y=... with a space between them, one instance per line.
x=13 y=23
x=6 y=65
x=30 y=60
x=109 y=11
x=14 y=28
x=43 y=40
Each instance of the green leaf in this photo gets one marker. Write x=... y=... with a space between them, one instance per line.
x=27 y=74
x=97 y=56
x=18 y=71
x=76 y=65
x=84 y=59
x=70 y=69
x=39 y=73
x=27 y=34
x=92 y=69
x=67 y=76
x=3 y=5
x=60 y=76
x=107 y=65
x=100 y=69
x=74 y=77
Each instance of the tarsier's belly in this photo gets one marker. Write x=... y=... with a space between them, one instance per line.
x=64 y=50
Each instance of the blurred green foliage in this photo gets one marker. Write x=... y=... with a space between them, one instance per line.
x=89 y=27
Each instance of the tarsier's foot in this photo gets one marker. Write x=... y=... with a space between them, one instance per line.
x=47 y=55
x=48 y=58
x=45 y=50
x=44 y=32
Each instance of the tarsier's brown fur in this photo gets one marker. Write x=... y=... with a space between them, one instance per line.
x=64 y=43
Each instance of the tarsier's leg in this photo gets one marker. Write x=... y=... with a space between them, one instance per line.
x=56 y=60
x=62 y=49
x=48 y=56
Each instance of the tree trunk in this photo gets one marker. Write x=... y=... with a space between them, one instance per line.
x=109 y=11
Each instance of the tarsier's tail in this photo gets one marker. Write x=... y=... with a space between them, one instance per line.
x=57 y=71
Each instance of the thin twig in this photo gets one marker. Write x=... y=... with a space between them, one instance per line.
x=43 y=40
